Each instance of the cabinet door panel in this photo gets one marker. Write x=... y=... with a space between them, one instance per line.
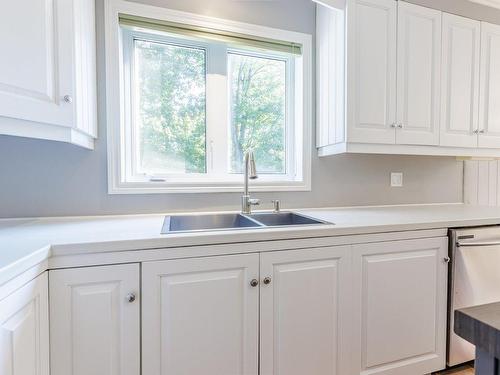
x=304 y=312
x=419 y=65
x=330 y=75
x=200 y=316
x=36 y=63
x=24 y=330
x=489 y=112
x=372 y=82
x=460 y=81
x=400 y=306
x=94 y=328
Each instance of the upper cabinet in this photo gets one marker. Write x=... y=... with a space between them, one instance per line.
x=489 y=97
x=460 y=81
x=371 y=69
x=48 y=70
x=414 y=80
x=419 y=64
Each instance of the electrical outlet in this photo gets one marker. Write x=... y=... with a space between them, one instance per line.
x=396 y=179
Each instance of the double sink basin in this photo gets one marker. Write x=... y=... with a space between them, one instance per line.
x=210 y=222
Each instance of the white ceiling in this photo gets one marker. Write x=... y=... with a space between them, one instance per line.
x=491 y=3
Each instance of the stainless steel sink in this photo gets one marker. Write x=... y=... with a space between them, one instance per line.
x=198 y=223
x=273 y=219
x=189 y=223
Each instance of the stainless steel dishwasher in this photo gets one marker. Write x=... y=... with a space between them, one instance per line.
x=474 y=279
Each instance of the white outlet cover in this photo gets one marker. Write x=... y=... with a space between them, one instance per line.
x=396 y=179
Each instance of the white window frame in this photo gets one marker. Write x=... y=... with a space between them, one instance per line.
x=121 y=179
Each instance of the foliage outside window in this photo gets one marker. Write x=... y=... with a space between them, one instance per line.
x=193 y=106
x=170 y=104
x=258 y=100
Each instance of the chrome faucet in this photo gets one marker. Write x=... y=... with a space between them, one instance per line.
x=250 y=174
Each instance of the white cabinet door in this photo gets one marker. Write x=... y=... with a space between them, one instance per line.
x=460 y=81
x=489 y=98
x=200 y=316
x=24 y=330
x=419 y=74
x=330 y=75
x=400 y=291
x=371 y=70
x=36 y=64
x=48 y=70
x=305 y=311
x=95 y=321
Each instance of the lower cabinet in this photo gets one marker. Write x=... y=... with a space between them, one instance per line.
x=201 y=316
x=304 y=312
x=24 y=330
x=95 y=320
x=399 y=308
x=371 y=309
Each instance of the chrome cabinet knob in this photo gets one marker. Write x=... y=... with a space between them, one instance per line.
x=267 y=280
x=394 y=125
x=476 y=131
x=400 y=126
x=254 y=283
x=482 y=131
x=130 y=297
x=68 y=99
x=447 y=259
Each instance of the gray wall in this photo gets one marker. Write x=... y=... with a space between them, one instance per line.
x=41 y=178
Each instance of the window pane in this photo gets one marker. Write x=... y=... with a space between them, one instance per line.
x=170 y=108
x=258 y=107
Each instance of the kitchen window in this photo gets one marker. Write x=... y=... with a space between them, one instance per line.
x=194 y=98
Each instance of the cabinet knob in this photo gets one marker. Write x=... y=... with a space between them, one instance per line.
x=68 y=99
x=476 y=131
x=400 y=126
x=254 y=283
x=482 y=131
x=393 y=125
x=267 y=280
x=447 y=259
x=130 y=297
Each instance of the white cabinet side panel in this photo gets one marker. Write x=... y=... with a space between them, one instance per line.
x=24 y=330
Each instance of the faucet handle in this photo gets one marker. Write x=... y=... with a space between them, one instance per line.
x=276 y=205
x=253 y=201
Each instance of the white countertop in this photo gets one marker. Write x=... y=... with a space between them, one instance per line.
x=26 y=242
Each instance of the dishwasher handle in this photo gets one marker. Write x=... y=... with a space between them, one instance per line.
x=480 y=244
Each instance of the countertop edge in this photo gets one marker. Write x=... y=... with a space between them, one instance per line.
x=48 y=248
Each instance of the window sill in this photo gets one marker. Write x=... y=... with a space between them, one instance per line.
x=162 y=188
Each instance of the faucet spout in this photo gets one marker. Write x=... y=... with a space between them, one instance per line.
x=250 y=174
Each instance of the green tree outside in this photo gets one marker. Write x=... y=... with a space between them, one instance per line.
x=172 y=106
